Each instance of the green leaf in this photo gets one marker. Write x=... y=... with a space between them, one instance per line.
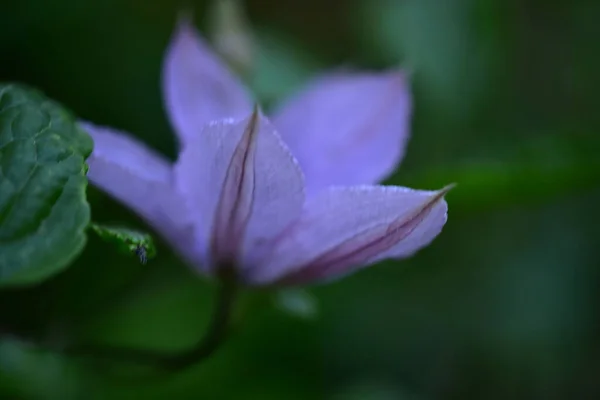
x=128 y=241
x=43 y=207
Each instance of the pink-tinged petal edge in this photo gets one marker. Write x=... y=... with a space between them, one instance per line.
x=243 y=187
x=348 y=128
x=346 y=228
x=197 y=86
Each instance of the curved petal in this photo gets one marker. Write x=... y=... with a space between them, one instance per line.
x=135 y=175
x=343 y=229
x=197 y=86
x=243 y=187
x=348 y=128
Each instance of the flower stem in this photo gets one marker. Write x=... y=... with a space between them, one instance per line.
x=216 y=333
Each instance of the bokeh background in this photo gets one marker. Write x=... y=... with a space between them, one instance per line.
x=504 y=304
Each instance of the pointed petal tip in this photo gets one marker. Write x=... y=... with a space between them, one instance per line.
x=255 y=117
x=439 y=195
x=256 y=110
x=386 y=222
x=197 y=86
x=183 y=31
x=444 y=191
x=184 y=25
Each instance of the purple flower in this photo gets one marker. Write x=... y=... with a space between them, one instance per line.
x=291 y=201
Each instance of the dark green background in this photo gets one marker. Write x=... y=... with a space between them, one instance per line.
x=504 y=304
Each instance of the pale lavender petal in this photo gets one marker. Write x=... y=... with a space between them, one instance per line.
x=348 y=128
x=243 y=187
x=134 y=174
x=197 y=86
x=343 y=229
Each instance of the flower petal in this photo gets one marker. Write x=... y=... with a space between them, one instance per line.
x=134 y=174
x=348 y=128
x=197 y=86
x=243 y=187
x=343 y=229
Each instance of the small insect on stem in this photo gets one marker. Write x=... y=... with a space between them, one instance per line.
x=140 y=251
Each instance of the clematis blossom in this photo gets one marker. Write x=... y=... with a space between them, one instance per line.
x=283 y=201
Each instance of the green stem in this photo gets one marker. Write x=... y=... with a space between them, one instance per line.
x=206 y=347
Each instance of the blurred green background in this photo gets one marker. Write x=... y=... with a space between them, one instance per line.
x=504 y=304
